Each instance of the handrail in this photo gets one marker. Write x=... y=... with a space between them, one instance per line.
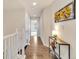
x=13 y=43
x=9 y=44
x=10 y=35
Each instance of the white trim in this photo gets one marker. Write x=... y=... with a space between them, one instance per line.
x=4 y=37
x=44 y=43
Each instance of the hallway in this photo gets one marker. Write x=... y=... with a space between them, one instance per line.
x=37 y=50
x=24 y=21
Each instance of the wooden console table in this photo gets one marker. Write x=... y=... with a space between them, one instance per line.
x=60 y=43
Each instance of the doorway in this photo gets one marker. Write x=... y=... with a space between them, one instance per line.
x=34 y=27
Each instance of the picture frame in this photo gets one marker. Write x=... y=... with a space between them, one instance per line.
x=66 y=13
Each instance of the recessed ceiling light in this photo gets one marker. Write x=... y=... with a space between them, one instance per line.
x=34 y=3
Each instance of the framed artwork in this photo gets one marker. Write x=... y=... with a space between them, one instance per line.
x=66 y=13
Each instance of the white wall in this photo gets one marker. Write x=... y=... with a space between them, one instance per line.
x=66 y=29
x=27 y=28
x=13 y=19
x=45 y=26
x=20 y=20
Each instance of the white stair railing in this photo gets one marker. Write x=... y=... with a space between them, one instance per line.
x=14 y=42
x=10 y=46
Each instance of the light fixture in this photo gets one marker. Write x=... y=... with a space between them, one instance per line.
x=54 y=32
x=34 y=3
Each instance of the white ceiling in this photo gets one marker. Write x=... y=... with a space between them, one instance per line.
x=28 y=5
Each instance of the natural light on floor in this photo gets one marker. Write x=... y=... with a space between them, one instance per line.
x=35 y=39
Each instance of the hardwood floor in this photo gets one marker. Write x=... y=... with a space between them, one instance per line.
x=36 y=50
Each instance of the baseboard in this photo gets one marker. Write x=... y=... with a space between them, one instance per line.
x=43 y=42
x=46 y=45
